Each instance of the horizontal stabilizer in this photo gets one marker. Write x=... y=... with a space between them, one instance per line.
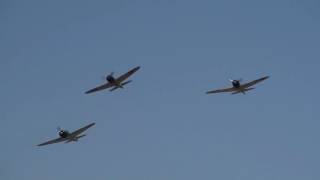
x=249 y=89
x=237 y=92
x=127 y=82
x=114 y=88
x=75 y=139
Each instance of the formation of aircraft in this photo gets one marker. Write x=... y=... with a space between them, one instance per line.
x=120 y=82
x=115 y=82
x=67 y=137
x=237 y=87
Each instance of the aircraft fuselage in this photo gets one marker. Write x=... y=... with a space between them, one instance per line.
x=113 y=81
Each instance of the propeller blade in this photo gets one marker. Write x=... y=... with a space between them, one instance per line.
x=232 y=80
x=59 y=128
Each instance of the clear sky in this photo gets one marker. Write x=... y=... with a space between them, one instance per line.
x=162 y=126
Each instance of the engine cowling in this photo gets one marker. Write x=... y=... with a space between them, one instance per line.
x=236 y=83
x=110 y=79
x=63 y=134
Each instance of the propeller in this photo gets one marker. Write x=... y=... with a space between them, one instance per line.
x=239 y=80
x=59 y=129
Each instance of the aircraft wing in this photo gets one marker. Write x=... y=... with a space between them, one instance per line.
x=128 y=74
x=81 y=130
x=99 y=88
x=222 y=90
x=249 y=84
x=53 y=141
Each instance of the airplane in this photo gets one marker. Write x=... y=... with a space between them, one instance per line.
x=67 y=137
x=115 y=82
x=238 y=87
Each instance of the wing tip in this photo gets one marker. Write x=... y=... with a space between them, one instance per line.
x=136 y=68
x=91 y=124
x=266 y=77
x=88 y=92
x=42 y=144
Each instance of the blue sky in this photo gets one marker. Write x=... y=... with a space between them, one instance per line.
x=161 y=126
